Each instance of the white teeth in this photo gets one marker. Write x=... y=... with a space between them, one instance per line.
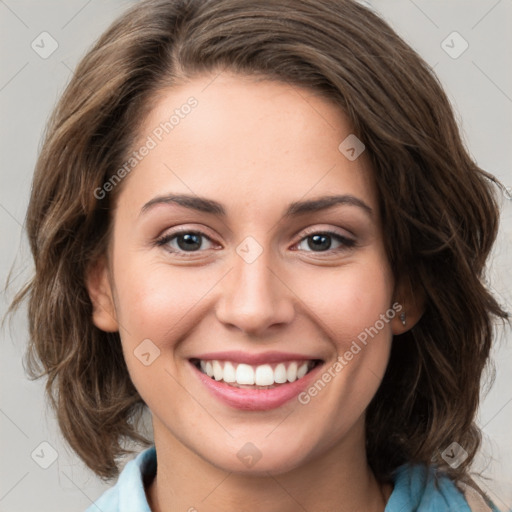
x=292 y=372
x=244 y=374
x=229 y=372
x=217 y=370
x=261 y=375
x=280 y=374
x=264 y=375
x=303 y=369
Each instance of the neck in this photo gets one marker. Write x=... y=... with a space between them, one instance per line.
x=185 y=481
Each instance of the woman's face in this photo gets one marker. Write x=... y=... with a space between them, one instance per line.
x=242 y=274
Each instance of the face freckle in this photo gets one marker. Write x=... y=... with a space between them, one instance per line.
x=255 y=280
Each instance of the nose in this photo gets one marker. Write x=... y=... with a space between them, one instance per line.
x=255 y=297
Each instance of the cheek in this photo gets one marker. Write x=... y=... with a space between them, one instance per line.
x=350 y=300
x=354 y=306
x=351 y=313
x=157 y=302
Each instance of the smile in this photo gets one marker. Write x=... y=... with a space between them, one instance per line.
x=264 y=376
x=255 y=382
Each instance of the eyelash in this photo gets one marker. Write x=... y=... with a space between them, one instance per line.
x=347 y=243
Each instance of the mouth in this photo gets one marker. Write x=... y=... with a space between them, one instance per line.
x=263 y=376
x=255 y=381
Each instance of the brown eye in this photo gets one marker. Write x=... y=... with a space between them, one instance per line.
x=183 y=241
x=322 y=241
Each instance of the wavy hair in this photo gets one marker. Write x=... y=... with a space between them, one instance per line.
x=438 y=208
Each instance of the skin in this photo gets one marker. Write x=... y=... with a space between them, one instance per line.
x=255 y=147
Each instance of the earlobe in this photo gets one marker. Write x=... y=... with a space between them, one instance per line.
x=401 y=322
x=100 y=292
x=412 y=308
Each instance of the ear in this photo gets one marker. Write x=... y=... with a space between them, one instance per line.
x=409 y=305
x=100 y=292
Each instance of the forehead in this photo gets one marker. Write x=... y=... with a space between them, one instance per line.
x=236 y=138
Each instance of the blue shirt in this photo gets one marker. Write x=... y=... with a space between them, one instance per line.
x=415 y=490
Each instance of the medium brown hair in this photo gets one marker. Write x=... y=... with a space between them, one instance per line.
x=439 y=211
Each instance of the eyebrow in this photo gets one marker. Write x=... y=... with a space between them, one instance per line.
x=294 y=209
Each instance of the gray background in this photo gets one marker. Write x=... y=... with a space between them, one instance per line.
x=478 y=82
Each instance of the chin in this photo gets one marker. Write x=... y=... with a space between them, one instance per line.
x=258 y=458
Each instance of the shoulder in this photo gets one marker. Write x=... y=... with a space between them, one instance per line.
x=427 y=489
x=128 y=493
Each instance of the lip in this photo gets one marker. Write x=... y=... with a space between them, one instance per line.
x=256 y=399
x=254 y=359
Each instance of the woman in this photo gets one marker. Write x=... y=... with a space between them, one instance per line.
x=195 y=175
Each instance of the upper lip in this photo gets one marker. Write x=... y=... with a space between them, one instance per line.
x=238 y=356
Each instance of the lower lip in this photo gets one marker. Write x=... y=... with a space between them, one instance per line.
x=256 y=399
